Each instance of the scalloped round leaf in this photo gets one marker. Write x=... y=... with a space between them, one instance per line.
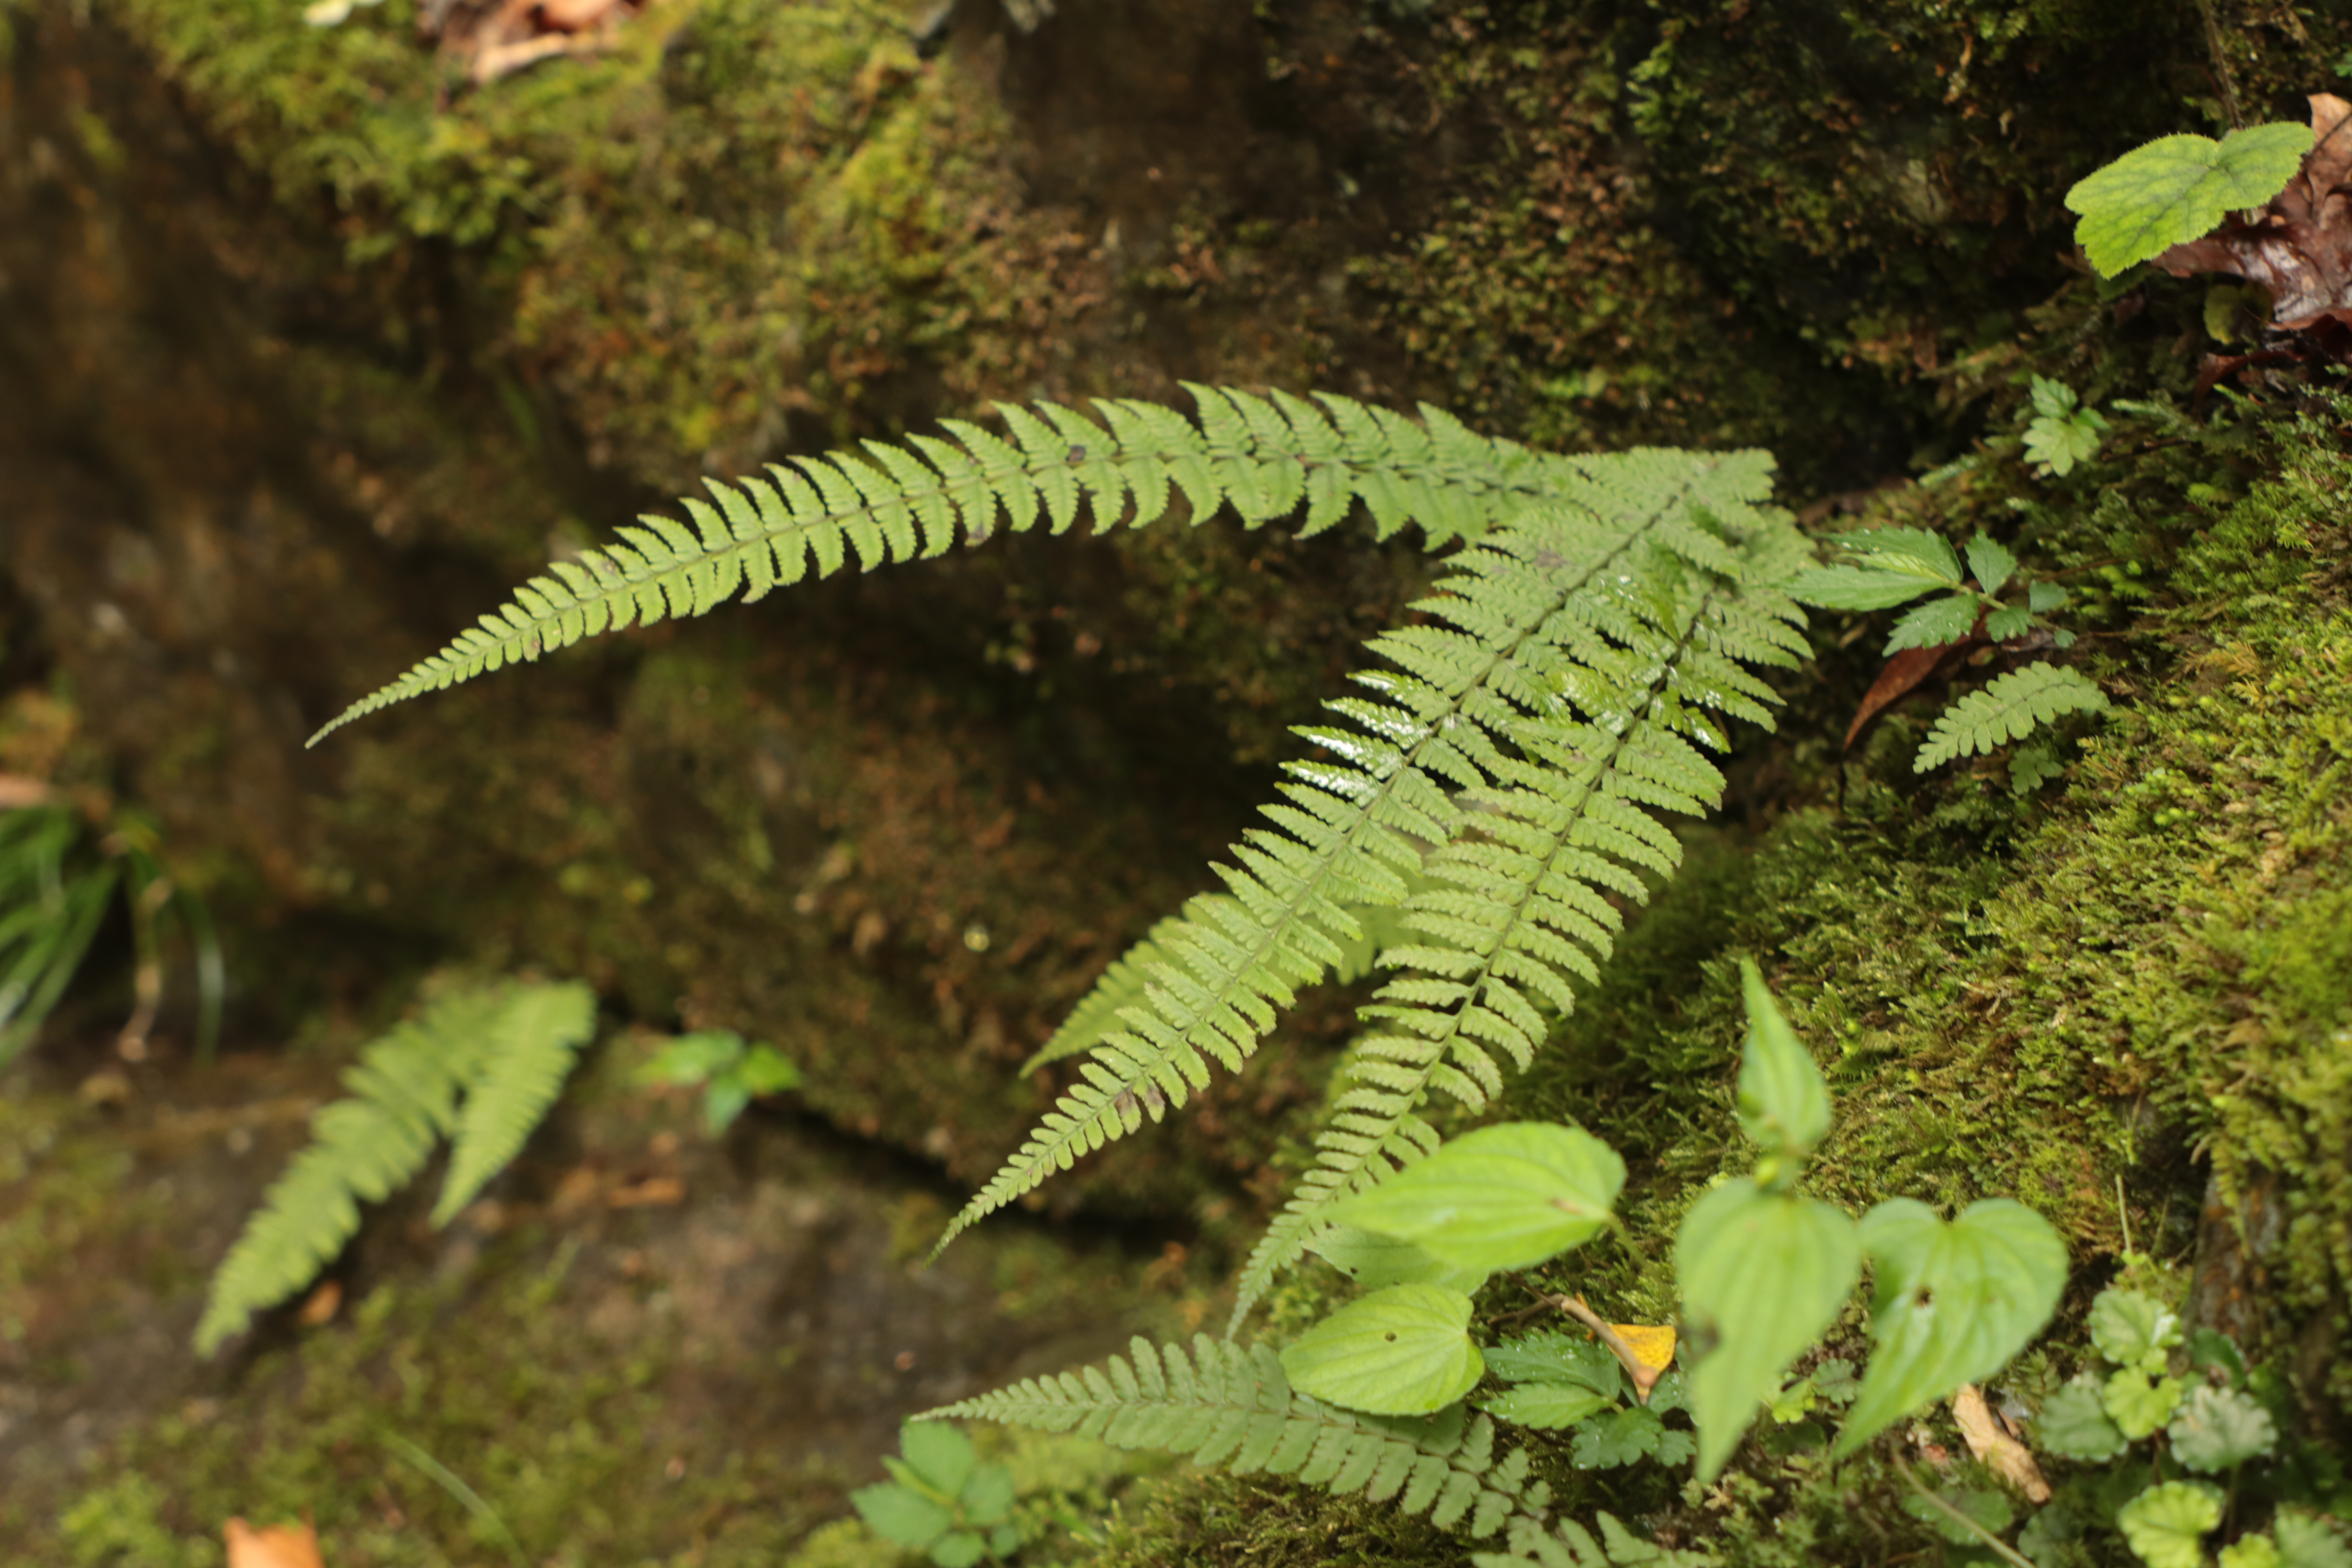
x=2139 y=1404
x=2176 y=189
x=2126 y=1326
x=1762 y=1275
x=2217 y=1429
x=1403 y=1351
x=1954 y=1302
x=2167 y=1524
x=2308 y=1541
x=2074 y=1425
x=1509 y=1196
x=2251 y=1552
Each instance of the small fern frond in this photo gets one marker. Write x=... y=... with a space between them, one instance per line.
x=2008 y=709
x=1264 y=458
x=403 y=1099
x=528 y=1053
x=1570 y=1545
x=1562 y=821
x=1232 y=1408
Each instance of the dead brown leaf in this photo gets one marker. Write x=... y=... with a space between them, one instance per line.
x=15 y=792
x=657 y=1192
x=1904 y=672
x=1992 y=1445
x=273 y=1546
x=323 y=1306
x=2299 y=247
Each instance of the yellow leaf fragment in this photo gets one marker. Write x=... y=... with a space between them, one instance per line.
x=1653 y=1343
x=272 y=1546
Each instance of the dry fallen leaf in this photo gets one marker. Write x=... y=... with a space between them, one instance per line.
x=15 y=792
x=657 y=1192
x=1652 y=1343
x=1995 y=1447
x=274 y=1546
x=1903 y=672
x=323 y=1306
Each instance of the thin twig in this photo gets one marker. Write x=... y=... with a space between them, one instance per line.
x=2008 y=1554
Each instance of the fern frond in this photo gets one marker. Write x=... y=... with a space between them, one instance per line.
x=1573 y=1546
x=1264 y=458
x=1550 y=620
x=403 y=1099
x=1635 y=668
x=2008 y=709
x=1226 y=1407
x=530 y=1051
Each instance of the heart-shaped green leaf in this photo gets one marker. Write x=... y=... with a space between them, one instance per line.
x=1784 y=1101
x=2176 y=189
x=1403 y=1351
x=2167 y=1524
x=2217 y=1429
x=1954 y=1301
x=1373 y=1260
x=1501 y=1197
x=1762 y=1275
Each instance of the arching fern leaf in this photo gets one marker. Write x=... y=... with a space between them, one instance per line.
x=502 y=1050
x=1231 y=1407
x=2008 y=709
x=531 y=1047
x=1638 y=650
x=1264 y=458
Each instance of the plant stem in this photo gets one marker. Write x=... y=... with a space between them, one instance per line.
x=2007 y=1552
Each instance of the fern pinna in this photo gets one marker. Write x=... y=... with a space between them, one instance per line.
x=1233 y=1407
x=479 y=1065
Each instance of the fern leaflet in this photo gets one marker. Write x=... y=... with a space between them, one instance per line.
x=1233 y=1407
x=1633 y=668
x=1573 y=1546
x=503 y=1050
x=1264 y=458
x=531 y=1047
x=2008 y=709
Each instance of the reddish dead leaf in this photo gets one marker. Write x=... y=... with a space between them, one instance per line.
x=1905 y=671
x=2300 y=247
x=274 y=1546
x=15 y=792
x=323 y=1306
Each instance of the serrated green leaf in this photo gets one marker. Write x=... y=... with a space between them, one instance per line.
x=2177 y=188
x=1989 y=563
x=1784 y=1101
x=2055 y=446
x=2008 y=621
x=2074 y=1425
x=987 y=1495
x=1762 y=1275
x=1858 y=587
x=1545 y=1406
x=2042 y=599
x=1607 y=1442
x=2217 y=1429
x=1402 y=1350
x=2167 y=1524
x=1507 y=1196
x=2048 y=1534
x=2052 y=399
x=1834 y=1381
x=1935 y=623
x=2139 y=1404
x=1982 y=1504
x=1567 y=1359
x=1373 y=1260
x=2308 y=1541
x=1913 y=550
x=900 y=1514
x=1670 y=1392
x=2126 y=1326
x=959 y=1548
x=1953 y=1302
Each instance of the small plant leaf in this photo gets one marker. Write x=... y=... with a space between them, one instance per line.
x=2210 y=1348
x=1372 y=1260
x=2176 y=189
x=2217 y=1429
x=1784 y=1101
x=1509 y=1196
x=2306 y=1540
x=724 y=1099
x=1618 y=1438
x=1403 y=1351
x=1937 y=623
x=939 y=1452
x=959 y=1548
x=1858 y=587
x=2127 y=1326
x=2049 y=1533
x=2041 y=598
x=987 y=1496
x=901 y=1514
x=1954 y=1302
x=2167 y=1524
x=2251 y=1552
x=690 y=1059
x=1989 y=563
x=1569 y=1360
x=2074 y=1425
x=2139 y=1404
x=2008 y=707
x=1546 y=1406
x=1762 y=1275
x=767 y=1070
x=2008 y=621
x=1983 y=1505
x=1913 y=550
